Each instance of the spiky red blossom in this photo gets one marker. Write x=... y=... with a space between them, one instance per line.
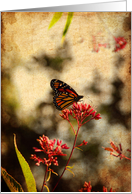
x=48 y=147
x=87 y=187
x=97 y=45
x=117 y=149
x=83 y=143
x=120 y=43
x=80 y=112
x=105 y=189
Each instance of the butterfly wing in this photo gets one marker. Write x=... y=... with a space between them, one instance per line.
x=56 y=84
x=62 y=101
x=59 y=86
x=64 y=94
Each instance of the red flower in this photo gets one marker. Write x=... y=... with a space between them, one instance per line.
x=80 y=112
x=48 y=148
x=117 y=150
x=87 y=187
x=105 y=189
x=120 y=43
x=83 y=143
x=33 y=156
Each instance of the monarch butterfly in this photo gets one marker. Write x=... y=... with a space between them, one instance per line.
x=64 y=95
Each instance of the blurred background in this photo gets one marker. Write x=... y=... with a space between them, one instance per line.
x=31 y=56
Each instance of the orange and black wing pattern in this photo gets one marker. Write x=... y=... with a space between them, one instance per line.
x=64 y=95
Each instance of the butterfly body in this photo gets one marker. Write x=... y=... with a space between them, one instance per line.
x=64 y=95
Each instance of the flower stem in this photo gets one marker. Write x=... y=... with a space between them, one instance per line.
x=72 y=128
x=69 y=158
x=44 y=183
x=87 y=120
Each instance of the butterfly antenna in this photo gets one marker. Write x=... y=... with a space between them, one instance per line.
x=89 y=99
x=95 y=107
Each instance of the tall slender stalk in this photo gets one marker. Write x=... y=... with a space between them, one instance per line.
x=68 y=159
x=44 y=182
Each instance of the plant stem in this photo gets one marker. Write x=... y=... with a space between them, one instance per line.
x=44 y=183
x=69 y=158
x=72 y=128
x=87 y=120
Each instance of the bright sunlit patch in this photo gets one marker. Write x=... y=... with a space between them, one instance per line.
x=63 y=130
x=32 y=88
x=47 y=111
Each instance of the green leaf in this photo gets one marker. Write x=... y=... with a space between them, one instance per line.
x=68 y=22
x=70 y=167
x=78 y=148
x=49 y=176
x=47 y=188
x=55 y=18
x=71 y=172
x=67 y=168
x=31 y=186
x=13 y=185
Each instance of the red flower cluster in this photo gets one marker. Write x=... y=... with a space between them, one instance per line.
x=116 y=149
x=48 y=148
x=96 y=45
x=105 y=189
x=80 y=112
x=88 y=188
x=120 y=43
x=83 y=143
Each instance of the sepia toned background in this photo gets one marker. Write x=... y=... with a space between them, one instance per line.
x=32 y=55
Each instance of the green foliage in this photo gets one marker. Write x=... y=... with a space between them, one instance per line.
x=55 y=18
x=31 y=186
x=70 y=167
x=13 y=185
x=68 y=22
